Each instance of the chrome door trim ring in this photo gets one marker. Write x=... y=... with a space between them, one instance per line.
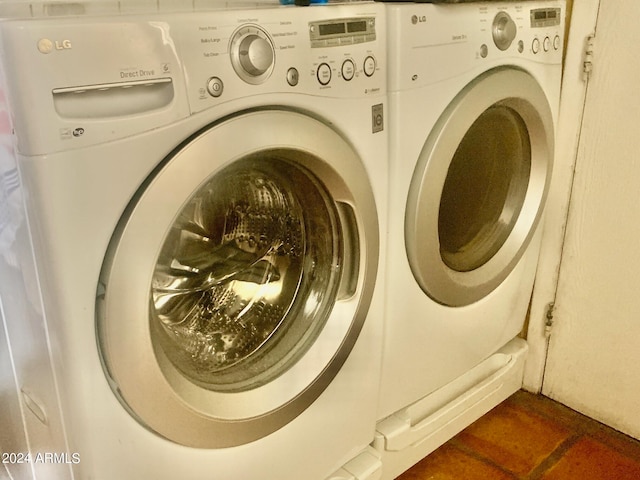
x=504 y=86
x=147 y=385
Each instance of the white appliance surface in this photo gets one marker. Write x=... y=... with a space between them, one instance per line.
x=117 y=119
x=448 y=346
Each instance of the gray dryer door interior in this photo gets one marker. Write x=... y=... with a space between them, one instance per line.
x=479 y=187
x=239 y=279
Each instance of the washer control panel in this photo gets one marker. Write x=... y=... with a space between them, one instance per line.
x=336 y=33
x=337 y=52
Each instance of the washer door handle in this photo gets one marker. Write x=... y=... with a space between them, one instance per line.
x=351 y=251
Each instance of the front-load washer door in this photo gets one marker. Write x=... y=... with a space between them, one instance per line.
x=238 y=279
x=479 y=187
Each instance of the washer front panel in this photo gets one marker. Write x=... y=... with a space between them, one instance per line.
x=218 y=238
x=471 y=212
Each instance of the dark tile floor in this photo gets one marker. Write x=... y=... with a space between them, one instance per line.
x=530 y=437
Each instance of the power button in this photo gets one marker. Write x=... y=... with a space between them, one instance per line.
x=215 y=87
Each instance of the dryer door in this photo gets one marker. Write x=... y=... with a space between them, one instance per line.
x=238 y=280
x=479 y=187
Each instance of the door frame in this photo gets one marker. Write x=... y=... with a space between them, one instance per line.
x=574 y=88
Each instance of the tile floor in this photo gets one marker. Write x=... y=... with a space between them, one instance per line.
x=530 y=437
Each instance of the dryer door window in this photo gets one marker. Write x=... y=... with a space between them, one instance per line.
x=485 y=189
x=238 y=280
x=479 y=187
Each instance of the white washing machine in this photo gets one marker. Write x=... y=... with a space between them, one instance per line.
x=196 y=288
x=473 y=91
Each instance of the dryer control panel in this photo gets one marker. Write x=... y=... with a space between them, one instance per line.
x=474 y=34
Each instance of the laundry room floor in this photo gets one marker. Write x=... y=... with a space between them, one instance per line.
x=530 y=437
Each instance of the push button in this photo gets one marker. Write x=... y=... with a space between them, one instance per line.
x=324 y=74
x=369 y=66
x=535 y=46
x=348 y=69
x=215 y=87
x=293 y=77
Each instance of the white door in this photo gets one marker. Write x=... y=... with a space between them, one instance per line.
x=593 y=361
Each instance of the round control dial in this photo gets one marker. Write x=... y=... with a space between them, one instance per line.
x=504 y=30
x=252 y=54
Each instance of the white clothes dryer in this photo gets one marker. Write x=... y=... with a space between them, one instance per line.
x=473 y=91
x=199 y=262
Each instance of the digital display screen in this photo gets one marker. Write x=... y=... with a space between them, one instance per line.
x=545 y=17
x=354 y=27
x=331 y=29
x=341 y=31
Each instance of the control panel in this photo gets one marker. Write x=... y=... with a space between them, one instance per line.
x=537 y=30
x=472 y=34
x=312 y=51
x=545 y=19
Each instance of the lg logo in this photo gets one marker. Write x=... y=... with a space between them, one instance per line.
x=415 y=19
x=47 y=46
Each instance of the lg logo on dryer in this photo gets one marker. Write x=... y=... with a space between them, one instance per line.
x=415 y=19
x=47 y=46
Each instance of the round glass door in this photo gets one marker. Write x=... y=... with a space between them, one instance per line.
x=247 y=275
x=238 y=279
x=484 y=189
x=479 y=187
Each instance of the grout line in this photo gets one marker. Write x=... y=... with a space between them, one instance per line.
x=554 y=457
x=481 y=458
x=579 y=423
x=576 y=426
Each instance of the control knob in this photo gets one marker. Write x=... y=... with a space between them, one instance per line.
x=252 y=54
x=256 y=55
x=504 y=30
